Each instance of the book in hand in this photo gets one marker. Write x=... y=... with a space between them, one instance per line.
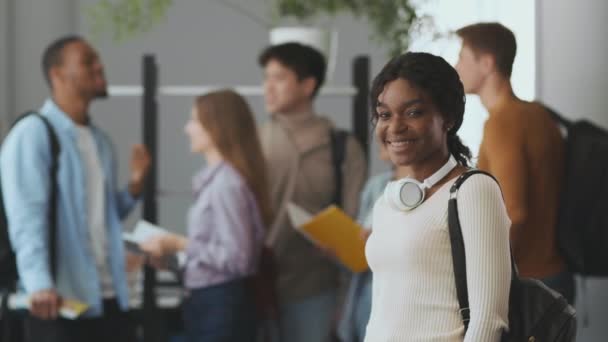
x=70 y=308
x=332 y=228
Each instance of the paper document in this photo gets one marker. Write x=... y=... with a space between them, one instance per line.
x=143 y=231
x=332 y=228
x=70 y=308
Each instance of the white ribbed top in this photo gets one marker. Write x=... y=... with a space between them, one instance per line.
x=409 y=252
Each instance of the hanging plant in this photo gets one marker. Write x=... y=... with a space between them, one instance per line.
x=126 y=18
x=392 y=22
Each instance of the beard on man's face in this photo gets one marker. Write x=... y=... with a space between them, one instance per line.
x=98 y=88
x=93 y=94
x=101 y=93
x=101 y=87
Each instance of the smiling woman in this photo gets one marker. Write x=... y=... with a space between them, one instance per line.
x=418 y=130
x=418 y=107
x=417 y=114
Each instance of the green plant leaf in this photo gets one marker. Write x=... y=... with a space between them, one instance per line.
x=392 y=22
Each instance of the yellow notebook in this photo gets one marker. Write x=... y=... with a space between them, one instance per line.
x=332 y=228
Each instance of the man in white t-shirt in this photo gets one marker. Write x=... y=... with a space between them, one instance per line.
x=90 y=260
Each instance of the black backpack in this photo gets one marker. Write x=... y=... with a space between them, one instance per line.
x=582 y=224
x=8 y=267
x=536 y=313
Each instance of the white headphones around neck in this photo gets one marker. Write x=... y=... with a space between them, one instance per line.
x=408 y=193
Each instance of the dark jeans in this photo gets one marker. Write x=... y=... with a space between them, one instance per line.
x=11 y=326
x=220 y=313
x=563 y=283
x=115 y=326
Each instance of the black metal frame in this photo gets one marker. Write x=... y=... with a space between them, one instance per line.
x=361 y=118
x=154 y=329
x=151 y=314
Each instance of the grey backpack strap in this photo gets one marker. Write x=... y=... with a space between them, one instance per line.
x=338 y=151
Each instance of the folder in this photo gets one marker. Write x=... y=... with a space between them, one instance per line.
x=332 y=228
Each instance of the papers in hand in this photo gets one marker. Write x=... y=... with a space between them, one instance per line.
x=145 y=230
x=70 y=308
x=333 y=229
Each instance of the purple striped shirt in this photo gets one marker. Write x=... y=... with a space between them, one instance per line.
x=225 y=229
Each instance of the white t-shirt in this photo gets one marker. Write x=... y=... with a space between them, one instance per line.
x=96 y=207
x=409 y=252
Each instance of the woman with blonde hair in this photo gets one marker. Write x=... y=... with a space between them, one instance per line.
x=226 y=222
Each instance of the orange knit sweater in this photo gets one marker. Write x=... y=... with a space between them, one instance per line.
x=523 y=148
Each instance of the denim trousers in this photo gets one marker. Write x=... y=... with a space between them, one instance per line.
x=220 y=313
x=308 y=319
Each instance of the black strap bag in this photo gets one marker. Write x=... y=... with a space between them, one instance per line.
x=536 y=313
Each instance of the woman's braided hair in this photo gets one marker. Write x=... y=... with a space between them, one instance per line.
x=440 y=81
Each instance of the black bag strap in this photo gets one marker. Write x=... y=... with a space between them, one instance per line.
x=458 y=249
x=6 y=321
x=557 y=117
x=338 y=149
x=52 y=209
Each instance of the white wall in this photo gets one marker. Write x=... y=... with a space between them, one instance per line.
x=36 y=23
x=26 y=27
x=5 y=47
x=572 y=76
x=573 y=57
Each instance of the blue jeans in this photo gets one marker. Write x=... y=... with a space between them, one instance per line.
x=220 y=313
x=563 y=283
x=309 y=319
x=363 y=308
x=357 y=308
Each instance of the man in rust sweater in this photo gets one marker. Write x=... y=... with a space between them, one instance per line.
x=523 y=148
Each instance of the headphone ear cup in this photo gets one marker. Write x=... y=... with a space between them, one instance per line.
x=404 y=194
x=411 y=194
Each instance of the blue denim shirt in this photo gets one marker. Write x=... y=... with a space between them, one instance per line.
x=24 y=162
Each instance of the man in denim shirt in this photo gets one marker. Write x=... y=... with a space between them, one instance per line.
x=90 y=256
